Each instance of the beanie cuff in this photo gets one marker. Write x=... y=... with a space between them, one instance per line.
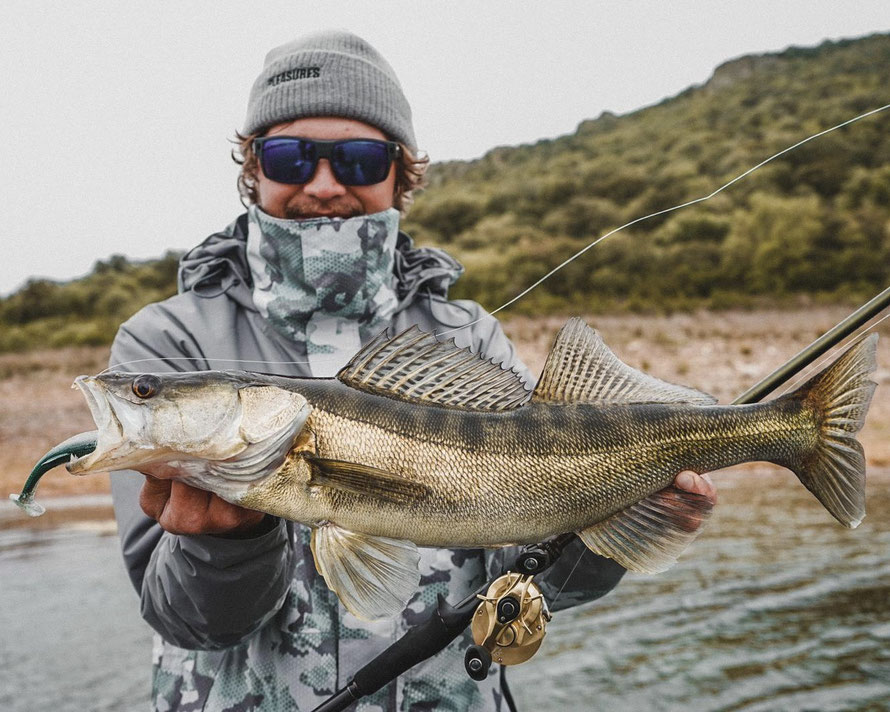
x=312 y=80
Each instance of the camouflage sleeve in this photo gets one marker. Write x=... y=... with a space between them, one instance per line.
x=198 y=592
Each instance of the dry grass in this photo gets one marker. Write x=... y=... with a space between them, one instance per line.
x=38 y=409
x=722 y=353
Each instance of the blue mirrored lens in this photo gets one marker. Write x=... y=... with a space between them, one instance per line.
x=289 y=160
x=360 y=162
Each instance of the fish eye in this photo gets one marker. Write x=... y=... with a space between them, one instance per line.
x=146 y=386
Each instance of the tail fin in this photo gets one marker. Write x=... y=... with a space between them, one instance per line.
x=834 y=470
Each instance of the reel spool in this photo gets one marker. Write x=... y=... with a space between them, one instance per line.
x=508 y=626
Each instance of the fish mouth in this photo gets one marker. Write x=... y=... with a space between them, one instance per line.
x=247 y=440
x=112 y=445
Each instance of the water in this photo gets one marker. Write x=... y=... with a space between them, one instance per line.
x=776 y=607
x=72 y=638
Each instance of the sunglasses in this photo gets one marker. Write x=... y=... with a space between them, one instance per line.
x=355 y=161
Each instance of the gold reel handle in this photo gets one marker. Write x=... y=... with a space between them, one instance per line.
x=509 y=624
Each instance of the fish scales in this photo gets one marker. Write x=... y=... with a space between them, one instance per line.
x=497 y=478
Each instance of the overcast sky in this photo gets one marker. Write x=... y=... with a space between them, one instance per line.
x=116 y=115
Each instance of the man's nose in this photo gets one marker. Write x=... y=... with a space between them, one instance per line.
x=324 y=184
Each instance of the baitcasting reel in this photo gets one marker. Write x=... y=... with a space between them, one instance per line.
x=508 y=625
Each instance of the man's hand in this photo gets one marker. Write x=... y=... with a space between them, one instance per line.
x=700 y=484
x=181 y=509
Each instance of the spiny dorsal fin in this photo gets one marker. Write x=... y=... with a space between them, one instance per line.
x=415 y=366
x=581 y=368
x=648 y=536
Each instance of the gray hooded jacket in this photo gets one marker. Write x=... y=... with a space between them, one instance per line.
x=249 y=624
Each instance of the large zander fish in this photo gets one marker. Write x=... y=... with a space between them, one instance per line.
x=420 y=443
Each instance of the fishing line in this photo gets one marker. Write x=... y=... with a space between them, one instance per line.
x=665 y=211
x=563 y=264
x=805 y=374
x=587 y=247
x=559 y=592
x=196 y=358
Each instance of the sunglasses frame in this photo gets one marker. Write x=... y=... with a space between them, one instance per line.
x=325 y=149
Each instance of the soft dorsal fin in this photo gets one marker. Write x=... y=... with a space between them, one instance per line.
x=415 y=366
x=581 y=368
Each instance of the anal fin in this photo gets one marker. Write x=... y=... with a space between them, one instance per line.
x=373 y=576
x=650 y=535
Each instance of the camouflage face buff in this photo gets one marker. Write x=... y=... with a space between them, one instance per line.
x=325 y=283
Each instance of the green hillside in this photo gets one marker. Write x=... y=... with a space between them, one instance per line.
x=87 y=311
x=813 y=222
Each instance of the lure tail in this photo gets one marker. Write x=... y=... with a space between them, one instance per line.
x=839 y=397
x=76 y=446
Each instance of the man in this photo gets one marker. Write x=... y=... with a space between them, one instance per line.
x=314 y=269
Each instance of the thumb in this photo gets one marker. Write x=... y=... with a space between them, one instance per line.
x=154 y=496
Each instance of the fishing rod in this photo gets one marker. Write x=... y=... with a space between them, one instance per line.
x=805 y=357
x=510 y=621
x=508 y=613
x=507 y=602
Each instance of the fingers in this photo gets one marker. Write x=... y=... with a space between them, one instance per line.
x=228 y=518
x=181 y=509
x=154 y=495
x=699 y=484
x=185 y=512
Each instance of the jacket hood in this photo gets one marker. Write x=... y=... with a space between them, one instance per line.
x=219 y=266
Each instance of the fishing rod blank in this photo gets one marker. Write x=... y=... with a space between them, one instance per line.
x=436 y=632
x=806 y=356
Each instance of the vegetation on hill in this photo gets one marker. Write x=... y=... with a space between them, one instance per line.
x=815 y=221
x=84 y=312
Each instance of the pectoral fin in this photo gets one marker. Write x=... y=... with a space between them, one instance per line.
x=365 y=480
x=650 y=535
x=374 y=577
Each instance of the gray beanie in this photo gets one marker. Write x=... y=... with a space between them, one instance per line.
x=330 y=73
